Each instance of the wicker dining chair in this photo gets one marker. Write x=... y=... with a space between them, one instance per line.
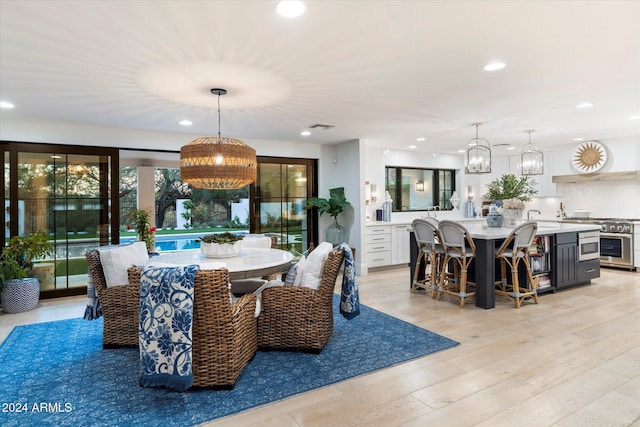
x=120 y=306
x=299 y=318
x=223 y=334
x=513 y=252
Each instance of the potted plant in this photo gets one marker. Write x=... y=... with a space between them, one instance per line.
x=334 y=205
x=511 y=192
x=144 y=231
x=221 y=245
x=21 y=293
x=509 y=186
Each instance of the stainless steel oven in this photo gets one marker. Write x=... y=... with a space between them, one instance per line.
x=588 y=245
x=616 y=250
x=616 y=242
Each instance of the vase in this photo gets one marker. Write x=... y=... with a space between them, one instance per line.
x=494 y=218
x=336 y=233
x=221 y=250
x=511 y=215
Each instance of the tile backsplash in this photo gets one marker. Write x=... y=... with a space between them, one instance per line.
x=604 y=199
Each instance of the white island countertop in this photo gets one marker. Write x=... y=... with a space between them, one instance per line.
x=479 y=229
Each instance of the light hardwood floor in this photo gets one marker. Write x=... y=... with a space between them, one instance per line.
x=572 y=360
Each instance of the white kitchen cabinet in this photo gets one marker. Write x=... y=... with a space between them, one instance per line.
x=378 y=245
x=545 y=187
x=636 y=244
x=400 y=244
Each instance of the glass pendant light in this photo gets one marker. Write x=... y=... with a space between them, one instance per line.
x=531 y=159
x=478 y=157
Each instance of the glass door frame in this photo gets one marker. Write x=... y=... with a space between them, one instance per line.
x=109 y=206
x=311 y=191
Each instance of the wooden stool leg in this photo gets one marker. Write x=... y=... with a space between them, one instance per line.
x=462 y=293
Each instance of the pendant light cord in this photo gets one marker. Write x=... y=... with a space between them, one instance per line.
x=219 y=116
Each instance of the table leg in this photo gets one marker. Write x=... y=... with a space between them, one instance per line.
x=485 y=273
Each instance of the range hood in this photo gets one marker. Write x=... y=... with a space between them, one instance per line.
x=590 y=177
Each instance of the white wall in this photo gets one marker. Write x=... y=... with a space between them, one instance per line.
x=603 y=199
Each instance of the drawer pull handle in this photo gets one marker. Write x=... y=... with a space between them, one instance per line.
x=379 y=238
x=378 y=247
x=591 y=270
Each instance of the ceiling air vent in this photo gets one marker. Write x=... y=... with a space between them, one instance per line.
x=321 y=126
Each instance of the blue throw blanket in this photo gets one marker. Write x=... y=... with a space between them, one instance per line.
x=93 y=310
x=349 y=298
x=166 y=313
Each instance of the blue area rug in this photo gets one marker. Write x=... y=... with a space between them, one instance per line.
x=57 y=373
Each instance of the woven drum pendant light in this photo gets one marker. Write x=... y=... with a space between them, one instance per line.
x=218 y=163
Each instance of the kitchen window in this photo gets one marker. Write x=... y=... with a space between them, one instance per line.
x=419 y=189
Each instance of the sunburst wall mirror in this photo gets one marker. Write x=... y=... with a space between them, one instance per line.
x=589 y=157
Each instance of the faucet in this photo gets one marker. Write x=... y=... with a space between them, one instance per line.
x=433 y=209
x=530 y=211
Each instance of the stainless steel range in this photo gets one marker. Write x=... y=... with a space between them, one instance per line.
x=616 y=240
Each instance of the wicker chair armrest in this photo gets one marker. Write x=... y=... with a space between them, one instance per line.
x=121 y=293
x=134 y=273
x=246 y=302
x=291 y=296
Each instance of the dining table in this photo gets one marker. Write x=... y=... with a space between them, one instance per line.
x=249 y=263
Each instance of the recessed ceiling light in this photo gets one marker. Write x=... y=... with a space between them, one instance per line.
x=5 y=104
x=511 y=148
x=578 y=139
x=186 y=122
x=584 y=105
x=421 y=139
x=461 y=151
x=412 y=146
x=305 y=133
x=290 y=8
x=494 y=66
x=636 y=117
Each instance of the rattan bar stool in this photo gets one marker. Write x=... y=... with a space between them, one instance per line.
x=430 y=255
x=512 y=252
x=460 y=251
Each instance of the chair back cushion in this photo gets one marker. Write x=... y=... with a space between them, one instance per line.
x=256 y=241
x=310 y=272
x=455 y=236
x=424 y=232
x=115 y=262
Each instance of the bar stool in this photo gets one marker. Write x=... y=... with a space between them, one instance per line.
x=512 y=252
x=460 y=250
x=430 y=253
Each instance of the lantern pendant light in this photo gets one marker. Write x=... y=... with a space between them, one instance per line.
x=478 y=156
x=218 y=163
x=531 y=159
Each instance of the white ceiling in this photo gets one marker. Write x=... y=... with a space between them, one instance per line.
x=384 y=71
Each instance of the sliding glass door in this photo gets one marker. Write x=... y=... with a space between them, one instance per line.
x=66 y=192
x=278 y=199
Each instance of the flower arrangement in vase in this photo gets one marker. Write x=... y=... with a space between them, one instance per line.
x=512 y=210
x=142 y=226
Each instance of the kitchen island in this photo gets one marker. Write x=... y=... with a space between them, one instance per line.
x=488 y=239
